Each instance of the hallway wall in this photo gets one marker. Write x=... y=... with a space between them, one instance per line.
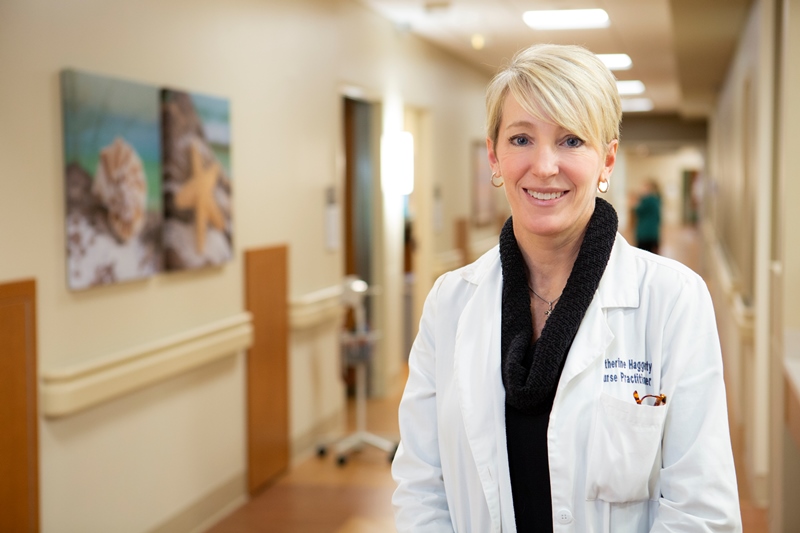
x=175 y=451
x=738 y=234
x=785 y=282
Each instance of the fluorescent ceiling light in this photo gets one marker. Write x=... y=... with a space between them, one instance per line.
x=566 y=19
x=616 y=61
x=633 y=105
x=630 y=87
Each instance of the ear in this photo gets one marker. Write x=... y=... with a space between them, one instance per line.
x=492 y=156
x=611 y=158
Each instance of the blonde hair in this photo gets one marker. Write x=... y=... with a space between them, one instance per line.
x=565 y=85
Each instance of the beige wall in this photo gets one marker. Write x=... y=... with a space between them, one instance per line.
x=138 y=461
x=741 y=174
x=753 y=158
x=785 y=451
x=789 y=162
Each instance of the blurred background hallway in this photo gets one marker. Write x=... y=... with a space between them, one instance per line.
x=152 y=388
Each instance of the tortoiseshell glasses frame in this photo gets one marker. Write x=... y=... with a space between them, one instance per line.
x=659 y=398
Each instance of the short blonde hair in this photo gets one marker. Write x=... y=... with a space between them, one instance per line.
x=565 y=85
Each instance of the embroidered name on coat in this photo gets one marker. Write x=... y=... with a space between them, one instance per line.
x=630 y=371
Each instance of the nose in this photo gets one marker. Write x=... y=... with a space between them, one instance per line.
x=544 y=162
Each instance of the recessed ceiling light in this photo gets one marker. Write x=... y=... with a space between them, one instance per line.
x=433 y=5
x=633 y=105
x=478 y=41
x=616 y=61
x=566 y=19
x=630 y=87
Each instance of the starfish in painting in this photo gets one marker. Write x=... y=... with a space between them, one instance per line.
x=198 y=194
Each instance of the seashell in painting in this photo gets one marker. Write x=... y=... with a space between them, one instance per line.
x=121 y=185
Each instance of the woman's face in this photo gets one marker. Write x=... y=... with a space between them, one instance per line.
x=550 y=174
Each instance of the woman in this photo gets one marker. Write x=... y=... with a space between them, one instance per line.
x=648 y=217
x=565 y=381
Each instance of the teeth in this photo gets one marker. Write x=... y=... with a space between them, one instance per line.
x=545 y=195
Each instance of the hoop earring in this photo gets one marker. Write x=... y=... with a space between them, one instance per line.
x=603 y=186
x=494 y=175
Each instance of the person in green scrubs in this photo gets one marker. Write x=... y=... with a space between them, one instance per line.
x=648 y=217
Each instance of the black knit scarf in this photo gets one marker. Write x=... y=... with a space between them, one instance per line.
x=531 y=370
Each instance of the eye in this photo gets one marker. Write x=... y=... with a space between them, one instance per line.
x=573 y=142
x=519 y=140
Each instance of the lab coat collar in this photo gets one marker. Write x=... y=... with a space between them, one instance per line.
x=488 y=263
x=619 y=286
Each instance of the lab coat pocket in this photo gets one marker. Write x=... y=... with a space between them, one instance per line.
x=624 y=450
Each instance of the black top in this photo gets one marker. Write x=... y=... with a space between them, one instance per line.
x=526 y=436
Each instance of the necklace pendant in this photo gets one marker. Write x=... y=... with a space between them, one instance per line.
x=547 y=313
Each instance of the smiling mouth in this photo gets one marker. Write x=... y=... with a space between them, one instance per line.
x=544 y=195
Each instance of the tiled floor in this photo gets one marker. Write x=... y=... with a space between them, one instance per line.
x=320 y=497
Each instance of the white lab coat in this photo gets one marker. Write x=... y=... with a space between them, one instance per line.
x=615 y=466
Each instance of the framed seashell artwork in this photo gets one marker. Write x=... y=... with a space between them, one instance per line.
x=113 y=177
x=147 y=179
x=197 y=180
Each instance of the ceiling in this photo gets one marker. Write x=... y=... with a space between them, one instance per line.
x=680 y=49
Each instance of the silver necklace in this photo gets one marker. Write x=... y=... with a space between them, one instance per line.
x=549 y=303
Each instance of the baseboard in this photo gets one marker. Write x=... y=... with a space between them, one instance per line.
x=305 y=445
x=209 y=509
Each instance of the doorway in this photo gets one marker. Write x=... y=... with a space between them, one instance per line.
x=359 y=190
x=359 y=212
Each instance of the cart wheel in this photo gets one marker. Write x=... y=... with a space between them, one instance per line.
x=322 y=451
x=341 y=460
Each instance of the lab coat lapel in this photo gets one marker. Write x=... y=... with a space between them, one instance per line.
x=477 y=371
x=618 y=288
x=591 y=341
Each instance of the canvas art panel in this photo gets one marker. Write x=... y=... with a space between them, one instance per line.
x=483 y=195
x=196 y=180
x=112 y=157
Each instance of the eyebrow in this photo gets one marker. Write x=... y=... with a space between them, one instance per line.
x=519 y=123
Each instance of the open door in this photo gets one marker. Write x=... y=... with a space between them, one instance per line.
x=359 y=206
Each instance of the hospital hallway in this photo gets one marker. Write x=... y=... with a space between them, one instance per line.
x=317 y=496
x=203 y=202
